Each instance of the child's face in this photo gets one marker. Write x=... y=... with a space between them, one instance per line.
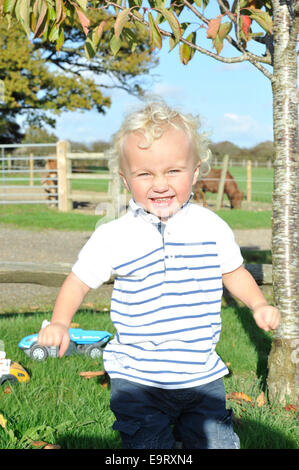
x=160 y=177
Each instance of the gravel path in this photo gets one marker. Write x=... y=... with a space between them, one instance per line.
x=63 y=246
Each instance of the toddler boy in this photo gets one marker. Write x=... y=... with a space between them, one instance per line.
x=170 y=259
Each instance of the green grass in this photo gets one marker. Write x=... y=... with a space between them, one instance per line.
x=261 y=187
x=40 y=217
x=241 y=219
x=60 y=407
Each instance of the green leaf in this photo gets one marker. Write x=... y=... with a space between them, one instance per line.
x=115 y=44
x=263 y=19
x=131 y=38
x=53 y=34
x=8 y=6
x=91 y=43
x=60 y=39
x=120 y=22
x=173 y=23
x=218 y=44
x=186 y=51
x=155 y=35
x=82 y=4
x=22 y=12
x=224 y=29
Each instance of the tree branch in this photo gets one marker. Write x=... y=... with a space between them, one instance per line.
x=246 y=55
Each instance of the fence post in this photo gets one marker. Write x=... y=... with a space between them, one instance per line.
x=222 y=181
x=249 y=181
x=114 y=184
x=63 y=167
x=31 y=165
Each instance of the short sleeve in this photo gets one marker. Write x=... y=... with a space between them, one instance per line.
x=228 y=250
x=93 y=265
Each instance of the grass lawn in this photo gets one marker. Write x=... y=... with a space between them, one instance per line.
x=40 y=217
x=60 y=407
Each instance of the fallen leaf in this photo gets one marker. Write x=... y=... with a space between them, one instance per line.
x=38 y=443
x=3 y=421
x=261 y=400
x=74 y=325
x=44 y=444
x=291 y=408
x=239 y=396
x=7 y=390
x=90 y=374
x=52 y=446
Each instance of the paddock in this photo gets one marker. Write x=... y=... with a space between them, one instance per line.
x=89 y=182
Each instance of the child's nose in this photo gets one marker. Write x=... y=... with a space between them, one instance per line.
x=160 y=183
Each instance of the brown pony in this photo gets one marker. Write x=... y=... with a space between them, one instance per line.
x=210 y=183
x=50 y=185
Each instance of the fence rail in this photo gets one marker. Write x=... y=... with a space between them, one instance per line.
x=16 y=168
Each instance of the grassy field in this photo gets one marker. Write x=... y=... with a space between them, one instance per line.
x=41 y=217
x=60 y=407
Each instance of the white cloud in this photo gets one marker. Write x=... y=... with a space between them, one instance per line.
x=167 y=91
x=242 y=129
x=233 y=117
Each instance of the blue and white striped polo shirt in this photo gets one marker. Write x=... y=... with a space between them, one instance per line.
x=166 y=300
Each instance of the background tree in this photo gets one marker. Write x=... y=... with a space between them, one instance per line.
x=274 y=25
x=38 y=82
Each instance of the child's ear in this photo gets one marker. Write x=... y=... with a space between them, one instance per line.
x=123 y=178
x=196 y=173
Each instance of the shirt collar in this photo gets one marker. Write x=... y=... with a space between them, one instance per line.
x=148 y=217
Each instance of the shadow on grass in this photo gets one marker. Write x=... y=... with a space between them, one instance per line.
x=255 y=435
x=257 y=336
x=252 y=434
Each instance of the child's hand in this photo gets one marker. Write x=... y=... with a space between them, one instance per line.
x=55 y=334
x=266 y=317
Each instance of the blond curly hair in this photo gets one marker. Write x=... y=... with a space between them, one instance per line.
x=153 y=120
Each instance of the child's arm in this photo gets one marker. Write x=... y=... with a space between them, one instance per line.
x=242 y=285
x=69 y=299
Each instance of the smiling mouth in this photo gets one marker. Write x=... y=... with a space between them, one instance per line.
x=162 y=201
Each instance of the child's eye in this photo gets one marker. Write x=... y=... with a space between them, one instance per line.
x=143 y=174
x=174 y=171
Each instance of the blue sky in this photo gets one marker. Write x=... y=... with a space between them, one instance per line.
x=234 y=101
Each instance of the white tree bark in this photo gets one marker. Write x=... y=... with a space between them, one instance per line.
x=283 y=377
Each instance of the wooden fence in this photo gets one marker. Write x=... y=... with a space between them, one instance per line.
x=65 y=175
x=23 y=172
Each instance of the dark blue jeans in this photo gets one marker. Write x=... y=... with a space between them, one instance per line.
x=155 y=418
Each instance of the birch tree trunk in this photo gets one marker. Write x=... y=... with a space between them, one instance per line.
x=283 y=376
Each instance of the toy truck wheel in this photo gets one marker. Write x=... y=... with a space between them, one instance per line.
x=38 y=353
x=8 y=378
x=94 y=351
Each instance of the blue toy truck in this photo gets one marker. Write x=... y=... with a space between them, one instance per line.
x=87 y=342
